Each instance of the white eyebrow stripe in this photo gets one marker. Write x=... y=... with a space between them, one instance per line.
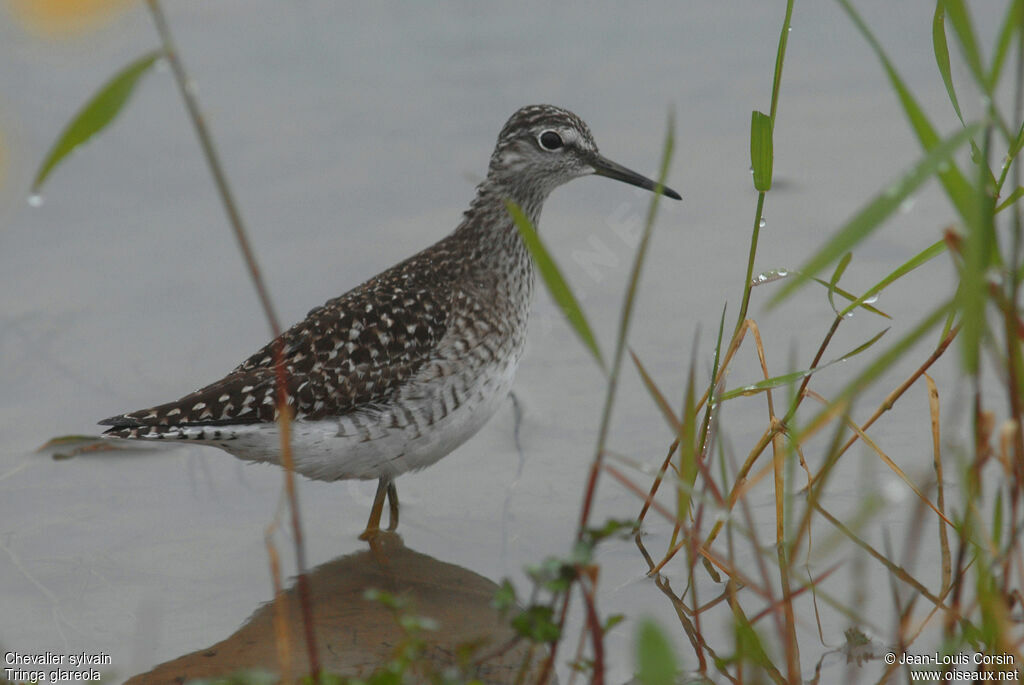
x=569 y=135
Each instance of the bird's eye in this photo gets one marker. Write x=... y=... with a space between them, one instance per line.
x=549 y=140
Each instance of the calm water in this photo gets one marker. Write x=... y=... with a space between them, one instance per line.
x=353 y=137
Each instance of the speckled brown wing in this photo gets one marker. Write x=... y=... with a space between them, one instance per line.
x=352 y=352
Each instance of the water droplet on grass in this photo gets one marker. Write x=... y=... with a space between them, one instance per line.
x=763 y=222
x=35 y=200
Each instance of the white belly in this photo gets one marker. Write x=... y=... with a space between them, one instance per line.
x=432 y=416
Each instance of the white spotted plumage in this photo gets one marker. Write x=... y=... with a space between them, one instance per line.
x=398 y=372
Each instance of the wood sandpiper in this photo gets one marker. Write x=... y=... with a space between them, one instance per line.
x=401 y=370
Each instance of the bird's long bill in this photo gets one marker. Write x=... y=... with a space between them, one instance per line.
x=609 y=169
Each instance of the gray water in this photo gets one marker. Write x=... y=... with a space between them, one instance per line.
x=353 y=136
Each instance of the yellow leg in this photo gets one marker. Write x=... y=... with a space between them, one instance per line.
x=373 y=525
x=393 y=506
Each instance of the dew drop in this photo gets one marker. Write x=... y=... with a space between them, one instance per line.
x=762 y=223
x=871 y=300
x=907 y=204
x=35 y=200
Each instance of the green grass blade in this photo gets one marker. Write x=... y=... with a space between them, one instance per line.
x=836 y=275
x=95 y=115
x=766 y=384
x=556 y=284
x=942 y=59
x=869 y=218
x=860 y=348
x=960 y=18
x=657 y=395
x=1014 y=196
x=956 y=186
x=761 y=150
x=655 y=659
x=980 y=251
x=629 y=298
x=1014 y=18
x=789 y=378
x=688 y=451
x=780 y=57
x=879 y=366
x=705 y=428
x=1018 y=143
x=961 y=21
x=851 y=297
x=625 y=318
x=941 y=48
x=927 y=254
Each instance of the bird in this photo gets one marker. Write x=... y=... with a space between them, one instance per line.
x=397 y=372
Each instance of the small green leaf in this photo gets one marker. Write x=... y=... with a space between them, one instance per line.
x=612 y=528
x=655 y=658
x=96 y=114
x=749 y=647
x=1014 y=196
x=836 y=275
x=851 y=297
x=67 y=440
x=554 y=281
x=386 y=599
x=505 y=596
x=536 y=623
x=767 y=384
x=787 y=378
x=917 y=260
x=942 y=55
x=761 y=158
x=612 y=621
x=941 y=48
x=860 y=348
x=960 y=18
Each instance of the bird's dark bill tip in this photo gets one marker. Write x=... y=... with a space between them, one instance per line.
x=609 y=169
x=668 y=192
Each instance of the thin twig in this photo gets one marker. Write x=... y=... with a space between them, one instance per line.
x=186 y=89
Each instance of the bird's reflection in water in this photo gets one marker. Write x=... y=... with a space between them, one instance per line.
x=356 y=635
